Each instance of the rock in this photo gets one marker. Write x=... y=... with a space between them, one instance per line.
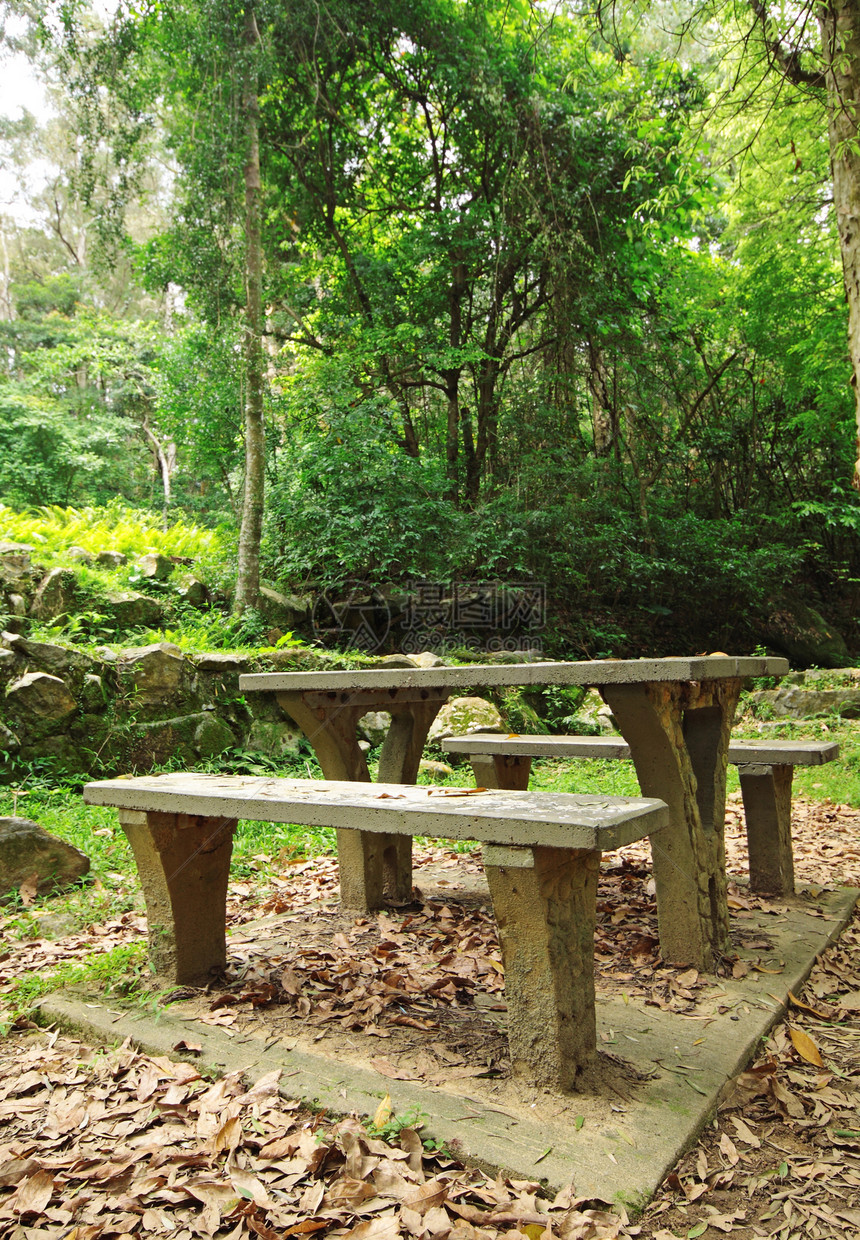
x=427 y=659
x=111 y=559
x=93 y=694
x=398 y=660
x=56 y=595
x=15 y=557
x=17 y=604
x=212 y=736
x=218 y=661
x=9 y=742
x=284 y=610
x=374 y=726
x=47 y=656
x=275 y=738
x=442 y=769
x=194 y=592
x=29 y=855
x=130 y=610
x=155 y=671
x=515 y=656
x=463 y=715
x=46 y=697
x=797 y=702
x=805 y=636
x=154 y=567
x=594 y=715
x=81 y=555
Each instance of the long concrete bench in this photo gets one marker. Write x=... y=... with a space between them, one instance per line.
x=541 y=855
x=766 y=770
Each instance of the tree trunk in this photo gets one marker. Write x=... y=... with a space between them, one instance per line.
x=250 y=534
x=840 y=38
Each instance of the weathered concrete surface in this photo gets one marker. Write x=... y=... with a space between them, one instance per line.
x=545 y=819
x=544 y=905
x=781 y=753
x=596 y=672
x=624 y=1146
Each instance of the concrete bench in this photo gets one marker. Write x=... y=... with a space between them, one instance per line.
x=766 y=770
x=541 y=855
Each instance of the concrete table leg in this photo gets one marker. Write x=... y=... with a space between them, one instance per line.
x=398 y=764
x=544 y=900
x=374 y=868
x=767 y=806
x=498 y=770
x=184 y=865
x=679 y=737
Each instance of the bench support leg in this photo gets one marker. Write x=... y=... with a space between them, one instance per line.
x=679 y=740
x=499 y=770
x=184 y=865
x=767 y=807
x=544 y=900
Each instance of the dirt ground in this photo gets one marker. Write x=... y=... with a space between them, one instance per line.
x=115 y=1143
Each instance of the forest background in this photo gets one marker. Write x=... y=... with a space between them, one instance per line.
x=460 y=291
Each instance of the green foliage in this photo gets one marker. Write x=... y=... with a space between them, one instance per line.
x=53 y=529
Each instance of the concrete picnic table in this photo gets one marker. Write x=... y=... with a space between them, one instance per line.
x=676 y=715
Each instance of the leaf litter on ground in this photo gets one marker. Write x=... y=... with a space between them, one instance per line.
x=109 y=1144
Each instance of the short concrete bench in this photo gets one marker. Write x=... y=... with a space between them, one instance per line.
x=766 y=770
x=541 y=855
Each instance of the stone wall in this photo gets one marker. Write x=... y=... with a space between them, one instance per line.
x=112 y=712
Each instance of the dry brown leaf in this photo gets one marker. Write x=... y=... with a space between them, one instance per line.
x=34 y=1194
x=383 y=1112
x=805 y=1046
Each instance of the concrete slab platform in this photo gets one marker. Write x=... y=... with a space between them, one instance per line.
x=616 y=1145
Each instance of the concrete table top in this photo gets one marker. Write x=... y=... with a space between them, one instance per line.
x=593 y=672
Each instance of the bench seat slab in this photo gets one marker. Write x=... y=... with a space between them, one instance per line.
x=184 y=864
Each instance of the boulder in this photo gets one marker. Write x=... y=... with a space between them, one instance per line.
x=440 y=769
x=40 y=695
x=285 y=610
x=275 y=738
x=154 y=567
x=397 y=660
x=463 y=715
x=56 y=595
x=156 y=672
x=212 y=736
x=15 y=557
x=374 y=726
x=9 y=742
x=111 y=559
x=130 y=610
x=594 y=715
x=797 y=702
x=29 y=855
x=427 y=659
x=81 y=555
x=194 y=592
x=805 y=636
x=17 y=604
x=49 y=657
